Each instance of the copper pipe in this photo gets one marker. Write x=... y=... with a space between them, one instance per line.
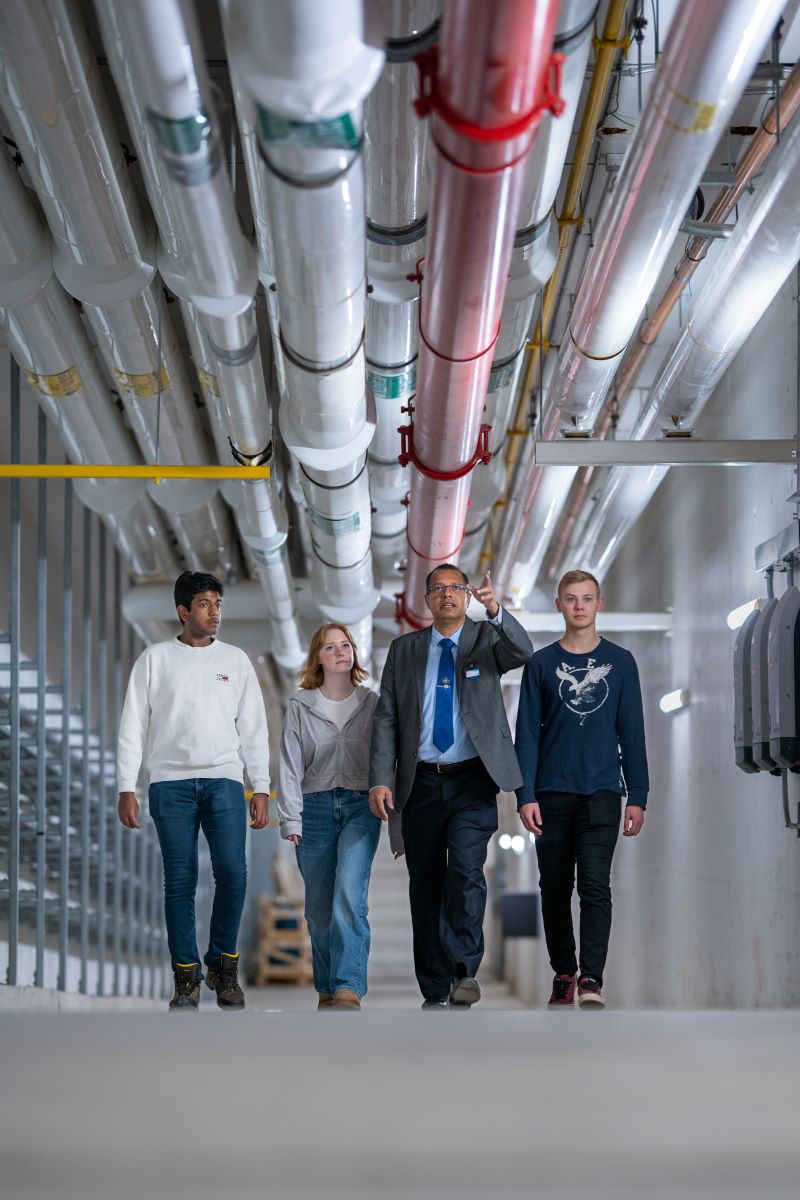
x=606 y=47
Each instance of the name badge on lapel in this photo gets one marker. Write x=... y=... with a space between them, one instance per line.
x=472 y=672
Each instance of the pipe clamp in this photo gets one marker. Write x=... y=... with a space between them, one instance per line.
x=408 y=454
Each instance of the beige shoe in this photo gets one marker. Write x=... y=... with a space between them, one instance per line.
x=324 y=1000
x=345 y=999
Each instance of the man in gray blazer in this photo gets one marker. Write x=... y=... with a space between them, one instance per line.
x=441 y=749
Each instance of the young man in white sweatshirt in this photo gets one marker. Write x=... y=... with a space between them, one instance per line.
x=192 y=714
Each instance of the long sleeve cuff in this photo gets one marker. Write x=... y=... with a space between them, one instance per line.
x=637 y=798
x=496 y=621
x=291 y=827
x=260 y=784
x=126 y=785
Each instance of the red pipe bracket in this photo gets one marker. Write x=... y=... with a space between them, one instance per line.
x=401 y=613
x=408 y=454
x=431 y=100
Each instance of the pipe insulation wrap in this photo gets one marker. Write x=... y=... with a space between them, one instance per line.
x=54 y=100
x=310 y=60
x=745 y=278
x=157 y=62
x=707 y=61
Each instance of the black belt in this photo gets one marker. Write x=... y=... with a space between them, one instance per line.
x=445 y=768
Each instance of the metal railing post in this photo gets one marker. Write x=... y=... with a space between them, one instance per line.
x=116 y=710
x=13 y=647
x=102 y=738
x=86 y=776
x=41 y=707
x=64 y=815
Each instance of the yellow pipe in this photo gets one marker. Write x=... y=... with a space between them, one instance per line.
x=568 y=219
x=156 y=471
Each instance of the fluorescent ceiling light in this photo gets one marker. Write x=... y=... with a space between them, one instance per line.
x=518 y=843
x=505 y=841
x=674 y=700
x=737 y=617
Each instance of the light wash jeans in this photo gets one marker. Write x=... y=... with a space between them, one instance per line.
x=340 y=837
x=180 y=809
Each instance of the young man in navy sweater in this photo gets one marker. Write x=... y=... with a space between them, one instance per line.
x=580 y=744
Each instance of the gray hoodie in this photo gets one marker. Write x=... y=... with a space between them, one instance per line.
x=316 y=756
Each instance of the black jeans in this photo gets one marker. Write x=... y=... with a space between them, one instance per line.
x=447 y=823
x=582 y=831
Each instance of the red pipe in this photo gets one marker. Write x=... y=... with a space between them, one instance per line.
x=486 y=90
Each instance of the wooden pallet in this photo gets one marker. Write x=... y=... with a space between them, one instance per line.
x=284 y=952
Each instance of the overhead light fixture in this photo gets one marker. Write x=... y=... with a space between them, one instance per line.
x=737 y=616
x=505 y=841
x=674 y=700
x=518 y=843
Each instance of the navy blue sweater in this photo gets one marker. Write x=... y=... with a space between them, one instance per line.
x=580 y=727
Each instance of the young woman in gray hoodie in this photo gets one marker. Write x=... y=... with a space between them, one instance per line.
x=324 y=809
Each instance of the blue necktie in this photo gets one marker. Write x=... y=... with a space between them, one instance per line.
x=445 y=687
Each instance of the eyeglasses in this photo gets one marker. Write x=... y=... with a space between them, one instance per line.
x=439 y=589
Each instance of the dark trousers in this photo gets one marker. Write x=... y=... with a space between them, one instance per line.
x=447 y=822
x=577 y=831
x=180 y=809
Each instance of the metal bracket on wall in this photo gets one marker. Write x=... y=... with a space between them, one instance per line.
x=665 y=452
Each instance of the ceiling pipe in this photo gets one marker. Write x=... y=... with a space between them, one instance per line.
x=105 y=251
x=750 y=270
x=308 y=67
x=532 y=262
x=159 y=68
x=570 y=218
x=41 y=327
x=773 y=123
x=268 y=559
x=486 y=90
x=709 y=58
x=395 y=152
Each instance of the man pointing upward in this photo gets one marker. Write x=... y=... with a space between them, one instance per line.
x=441 y=750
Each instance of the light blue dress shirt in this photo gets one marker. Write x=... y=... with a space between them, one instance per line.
x=462 y=747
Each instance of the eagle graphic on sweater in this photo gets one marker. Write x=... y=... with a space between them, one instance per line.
x=579 y=687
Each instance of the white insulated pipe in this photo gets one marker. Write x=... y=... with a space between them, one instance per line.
x=262 y=517
x=747 y=275
x=41 y=327
x=308 y=67
x=104 y=251
x=709 y=57
x=490 y=76
x=158 y=65
x=157 y=62
x=53 y=98
x=397 y=203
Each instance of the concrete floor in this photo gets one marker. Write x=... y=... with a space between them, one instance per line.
x=285 y=1102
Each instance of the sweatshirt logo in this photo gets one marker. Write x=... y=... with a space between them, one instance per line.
x=222 y=679
x=583 y=689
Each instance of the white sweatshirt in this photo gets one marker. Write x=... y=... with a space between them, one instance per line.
x=193 y=712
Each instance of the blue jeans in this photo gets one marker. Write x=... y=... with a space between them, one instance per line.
x=340 y=837
x=180 y=809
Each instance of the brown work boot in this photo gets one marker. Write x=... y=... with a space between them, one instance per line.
x=324 y=1000
x=346 y=1000
x=225 y=982
x=187 y=988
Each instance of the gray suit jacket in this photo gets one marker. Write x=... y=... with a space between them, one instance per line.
x=398 y=718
